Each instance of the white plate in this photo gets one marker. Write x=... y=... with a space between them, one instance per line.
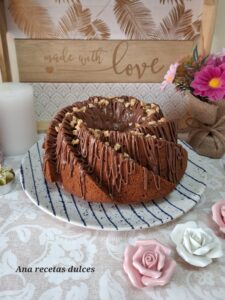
x=55 y=201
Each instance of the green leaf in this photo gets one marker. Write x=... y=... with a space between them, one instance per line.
x=195 y=54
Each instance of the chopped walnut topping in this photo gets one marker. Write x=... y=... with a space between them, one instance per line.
x=137 y=125
x=67 y=114
x=76 y=109
x=56 y=128
x=162 y=120
x=127 y=104
x=75 y=132
x=150 y=112
x=132 y=101
x=117 y=147
x=121 y=100
x=126 y=154
x=75 y=142
x=103 y=102
x=142 y=103
x=106 y=133
x=157 y=109
x=136 y=133
x=83 y=108
x=107 y=143
x=148 y=135
x=73 y=123
x=153 y=105
x=91 y=105
x=154 y=136
x=143 y=118
x=152 y=122
x=60 y=125
x=130 y=124
x=79 y=122
x=96 y=100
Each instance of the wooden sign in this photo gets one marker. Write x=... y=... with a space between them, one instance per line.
x=97 y=60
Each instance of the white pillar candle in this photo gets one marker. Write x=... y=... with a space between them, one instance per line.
x=17 y=119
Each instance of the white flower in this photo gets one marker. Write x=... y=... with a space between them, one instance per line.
x=197 y=246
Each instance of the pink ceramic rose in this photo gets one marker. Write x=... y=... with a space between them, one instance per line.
x=218 y=212
x=147 y=264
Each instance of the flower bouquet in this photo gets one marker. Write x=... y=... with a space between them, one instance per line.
x=201 y=79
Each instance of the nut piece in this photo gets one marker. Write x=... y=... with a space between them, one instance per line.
x=130 y=124
x=68 y=114
x=103 y=102
x=153 y=105
x=56 y=128
x=107 y=143
x=152 y=122
x=83 y=108
x=75 y=132
x=75 y=142
x=106 y=133
x=143 y=118
x=150 y=112
x=96 y=100
x=126 y=154
x=157 y=109
x=162 y=120
x=120 y=100
x=137 y=125
x=148 y=135
x=132 y=101
x=76 y=109
x=91 y=105
x=117 y=147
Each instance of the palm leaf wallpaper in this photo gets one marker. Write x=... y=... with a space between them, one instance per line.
x=108 y=19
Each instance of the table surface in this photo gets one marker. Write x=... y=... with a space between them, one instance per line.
x=30 y=238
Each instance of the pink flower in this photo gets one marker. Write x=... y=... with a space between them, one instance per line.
x=218 y=214
x=170 y=75
x=210 y=82
x=147 y=264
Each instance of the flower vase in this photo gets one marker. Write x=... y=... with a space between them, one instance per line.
x=205 y=126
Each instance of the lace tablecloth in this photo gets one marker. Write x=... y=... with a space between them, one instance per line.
x=32 y=243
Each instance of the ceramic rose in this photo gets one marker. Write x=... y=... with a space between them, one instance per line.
x=218 y=214
x=147 y=264
x=197 y=246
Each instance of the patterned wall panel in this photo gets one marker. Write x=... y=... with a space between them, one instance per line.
x=105 y=19
x=50 y=97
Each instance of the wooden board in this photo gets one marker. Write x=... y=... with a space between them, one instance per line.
x=97 y=60
x=4 y=59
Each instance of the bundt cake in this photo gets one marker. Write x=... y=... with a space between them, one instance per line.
x=119 y=150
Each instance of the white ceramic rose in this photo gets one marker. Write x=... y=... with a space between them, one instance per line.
x=197 y=246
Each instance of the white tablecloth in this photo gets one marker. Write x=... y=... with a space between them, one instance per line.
x=30 y=238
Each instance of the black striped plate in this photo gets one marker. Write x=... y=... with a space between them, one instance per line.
x=55 y=201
